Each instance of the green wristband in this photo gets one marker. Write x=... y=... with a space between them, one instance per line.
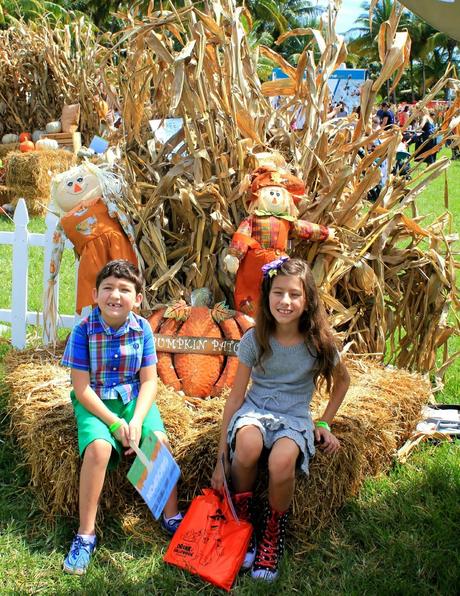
x=323 y=424
x=115 y=426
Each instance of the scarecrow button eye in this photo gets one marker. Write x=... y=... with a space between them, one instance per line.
x=135 y=346
x=80 y=179
x=272 y=193
x=70 y=184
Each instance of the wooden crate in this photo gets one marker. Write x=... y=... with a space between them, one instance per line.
x=66 y=140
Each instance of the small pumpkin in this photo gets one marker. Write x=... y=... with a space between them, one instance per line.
x=197 y=374
x=25 y=136
x=54 y=127
x=46 y=145
x=10 y=138
x=37 y=134
x=26 y=146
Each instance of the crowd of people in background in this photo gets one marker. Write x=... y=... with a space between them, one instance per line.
x=419 y=135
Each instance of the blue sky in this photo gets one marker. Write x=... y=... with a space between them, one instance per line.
x=349 y=11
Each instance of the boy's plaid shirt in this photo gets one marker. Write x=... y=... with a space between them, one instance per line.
x=113 y=357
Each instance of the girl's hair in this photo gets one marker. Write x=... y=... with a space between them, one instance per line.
x=313 y=323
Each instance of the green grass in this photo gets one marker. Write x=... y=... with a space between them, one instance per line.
x=431 y=205
x=399 y=536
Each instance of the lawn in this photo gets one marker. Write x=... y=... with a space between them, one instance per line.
x=398 y=536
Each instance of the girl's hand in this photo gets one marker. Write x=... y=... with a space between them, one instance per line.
x=327 y=442
x=122 y=433
x=217 y=478
x=134 y=434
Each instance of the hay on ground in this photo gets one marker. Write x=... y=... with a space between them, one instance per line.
x=28 y=176
x=381 y=409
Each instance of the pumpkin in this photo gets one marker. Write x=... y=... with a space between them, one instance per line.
x=46 y=145
x=10 y=138
x=185 y=334
x=26 y=146
x=25 y=136
x=37 y=134
x=53 y=127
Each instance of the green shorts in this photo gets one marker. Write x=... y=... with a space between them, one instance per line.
x=90 y=427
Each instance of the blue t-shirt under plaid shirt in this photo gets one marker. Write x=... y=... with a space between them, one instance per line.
x=113 y=357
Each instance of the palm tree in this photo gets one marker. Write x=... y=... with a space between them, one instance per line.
x=423 y=38
x=278 y=16
x=11 y=10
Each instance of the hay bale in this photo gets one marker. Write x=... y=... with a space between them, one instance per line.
x=4 y=194
x=6 y=148
x=28 y=176
x=381 y=408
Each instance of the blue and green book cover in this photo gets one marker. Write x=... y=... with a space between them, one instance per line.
x=154 y=473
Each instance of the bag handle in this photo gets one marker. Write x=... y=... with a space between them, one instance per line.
x=227 y=496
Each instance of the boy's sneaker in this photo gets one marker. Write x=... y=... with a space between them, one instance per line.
x=80 y=552
x=170 y=524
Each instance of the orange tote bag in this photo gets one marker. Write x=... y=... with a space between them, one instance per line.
x=210 y=541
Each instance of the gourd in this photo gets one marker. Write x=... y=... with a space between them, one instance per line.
x=25 y=136
x=37 y=134
x=197 y=374
x=10 y=138
x=46 y=144
x=26 y=146
x=53 y=127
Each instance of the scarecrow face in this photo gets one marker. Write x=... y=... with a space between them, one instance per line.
x=75 y=186
x=275 y=199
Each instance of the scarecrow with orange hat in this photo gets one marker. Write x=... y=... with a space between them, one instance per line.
x=263 y=236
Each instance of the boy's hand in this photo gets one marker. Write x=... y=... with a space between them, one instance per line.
x=122 y=433
x=326 y=441
x=134 y=433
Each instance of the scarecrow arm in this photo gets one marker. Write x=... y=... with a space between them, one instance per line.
x=116 y=213
x=311 y=231
x=49 y=314
x=242 y=241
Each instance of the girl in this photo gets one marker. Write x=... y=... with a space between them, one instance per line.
x=286 y=355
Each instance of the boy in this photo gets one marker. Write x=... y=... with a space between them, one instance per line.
x=112 y=358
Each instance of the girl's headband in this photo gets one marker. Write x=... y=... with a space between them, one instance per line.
x=271 y=269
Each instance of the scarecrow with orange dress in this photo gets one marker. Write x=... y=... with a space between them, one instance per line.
x=88 y=199
x=264 y=235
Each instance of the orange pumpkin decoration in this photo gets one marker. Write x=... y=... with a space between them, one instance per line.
x=25 y=136
x=196 y=346
x=26 y=146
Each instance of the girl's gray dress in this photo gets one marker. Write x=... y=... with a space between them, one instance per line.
x=278 y=401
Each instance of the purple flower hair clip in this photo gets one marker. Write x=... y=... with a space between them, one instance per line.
x=272 y=268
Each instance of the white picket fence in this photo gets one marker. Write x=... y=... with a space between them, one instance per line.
x=19 y=315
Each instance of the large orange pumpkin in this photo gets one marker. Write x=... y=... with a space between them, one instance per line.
x=25 y=136
x=184 y=336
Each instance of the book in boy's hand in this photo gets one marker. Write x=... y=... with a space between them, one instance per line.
x=154 y=473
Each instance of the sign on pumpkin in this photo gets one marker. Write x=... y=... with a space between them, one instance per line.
x=195 y=345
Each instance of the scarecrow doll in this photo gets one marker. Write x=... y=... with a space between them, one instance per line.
x=88 y=200
x=264 y=235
